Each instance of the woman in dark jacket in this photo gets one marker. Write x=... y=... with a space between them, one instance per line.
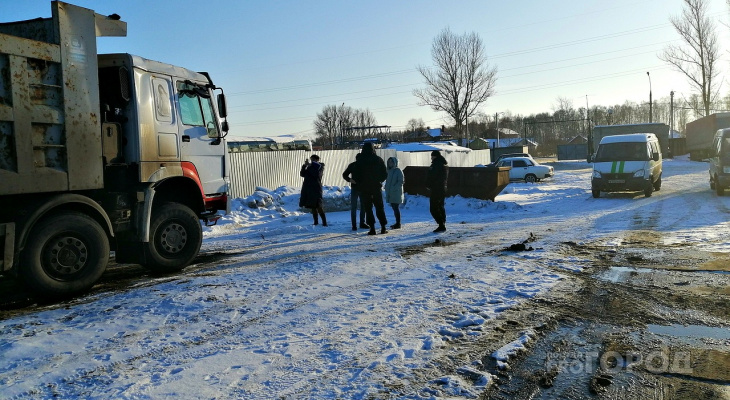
x=311 y=196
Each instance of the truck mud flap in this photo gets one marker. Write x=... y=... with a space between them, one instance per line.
x=7 y=241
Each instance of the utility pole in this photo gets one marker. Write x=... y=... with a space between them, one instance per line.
x=651 y=104
x=671 y=111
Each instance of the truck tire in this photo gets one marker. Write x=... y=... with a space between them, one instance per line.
x=175 y=238
x=596 y=193
x=66 y=254
x=658 y=185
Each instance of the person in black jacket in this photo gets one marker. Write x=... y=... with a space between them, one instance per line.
x=438 y=174
x=369 y=173
x=311 y=196
x=354 y=196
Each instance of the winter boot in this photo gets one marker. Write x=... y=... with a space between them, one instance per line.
x=441 y=228
x=364 y=225
x=316 y=219
x=324 y=219
x=382 y=230
x=395 y=226
x=372 y=231
x=354 y=227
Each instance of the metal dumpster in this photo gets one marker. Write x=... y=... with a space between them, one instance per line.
x=475 y=182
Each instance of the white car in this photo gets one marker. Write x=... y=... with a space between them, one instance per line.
x=526 y=169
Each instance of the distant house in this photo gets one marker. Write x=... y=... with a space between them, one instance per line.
x=579 y=139
x=427 y=135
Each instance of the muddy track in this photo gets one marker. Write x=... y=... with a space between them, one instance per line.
x=589 y=317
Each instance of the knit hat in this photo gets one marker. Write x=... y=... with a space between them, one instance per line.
x=435 y=153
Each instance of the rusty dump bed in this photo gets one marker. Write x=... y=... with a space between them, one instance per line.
x=50 y=135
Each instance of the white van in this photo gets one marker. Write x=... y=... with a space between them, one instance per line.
x=627 y=163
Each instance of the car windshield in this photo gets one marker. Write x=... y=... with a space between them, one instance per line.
x=622 y=151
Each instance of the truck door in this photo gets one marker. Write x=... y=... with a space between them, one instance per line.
x=199 y=133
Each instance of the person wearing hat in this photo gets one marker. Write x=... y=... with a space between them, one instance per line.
x=369 y=173
x=438 y=174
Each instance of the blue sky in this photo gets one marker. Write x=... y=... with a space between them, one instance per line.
x=281 y=62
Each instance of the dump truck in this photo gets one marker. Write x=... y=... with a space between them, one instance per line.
x=101 y=153
x=700 y=133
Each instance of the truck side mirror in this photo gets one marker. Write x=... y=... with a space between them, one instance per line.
x=655 y=157
x=590 y=158
x=224 y=126
x=222 y=110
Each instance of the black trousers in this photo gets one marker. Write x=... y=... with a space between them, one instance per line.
x=438 y=210
x=368 y=201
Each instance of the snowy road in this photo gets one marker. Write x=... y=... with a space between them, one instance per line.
x=296 y=311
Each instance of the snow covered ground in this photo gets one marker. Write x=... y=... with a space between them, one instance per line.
x=291 y=310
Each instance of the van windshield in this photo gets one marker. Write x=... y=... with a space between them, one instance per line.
x=623 y=151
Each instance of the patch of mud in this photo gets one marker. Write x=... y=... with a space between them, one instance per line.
x=410 y=251
x=646 y=321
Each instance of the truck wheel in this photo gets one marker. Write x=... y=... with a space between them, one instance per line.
x=596 y=193
x=66 y=254
x=175 y=238
x=530 y=178
x=658 y=185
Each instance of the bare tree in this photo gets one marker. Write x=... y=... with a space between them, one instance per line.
x=461 y=79
x=333 y=124
x=697 y=57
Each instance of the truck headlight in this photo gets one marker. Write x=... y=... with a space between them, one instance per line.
x=639 y=174
x=726 y=169
x=597 y=174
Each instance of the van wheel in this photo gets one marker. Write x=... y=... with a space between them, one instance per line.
x=175 y=238
x=66 y=254
x=596 y=193
x=649 y=190
x=530 y=178
x=719 y=189
x=658 y=185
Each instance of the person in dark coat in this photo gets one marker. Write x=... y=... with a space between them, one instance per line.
x=354 y=196
x=438 y=174
x=311 y=196
x=369 y=173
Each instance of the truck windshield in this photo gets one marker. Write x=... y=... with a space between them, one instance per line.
x=623 y=151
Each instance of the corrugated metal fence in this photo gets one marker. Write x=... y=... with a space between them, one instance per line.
x=272 y=169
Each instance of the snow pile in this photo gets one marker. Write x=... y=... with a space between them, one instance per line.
x=511 y=349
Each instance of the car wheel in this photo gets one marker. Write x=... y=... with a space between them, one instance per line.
x=530 y=178
x=596 y=193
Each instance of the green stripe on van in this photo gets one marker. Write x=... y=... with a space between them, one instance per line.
x=613 y=167
x=621 y=167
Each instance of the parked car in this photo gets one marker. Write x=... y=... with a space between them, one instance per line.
x=526 y=169
x=511 y=155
